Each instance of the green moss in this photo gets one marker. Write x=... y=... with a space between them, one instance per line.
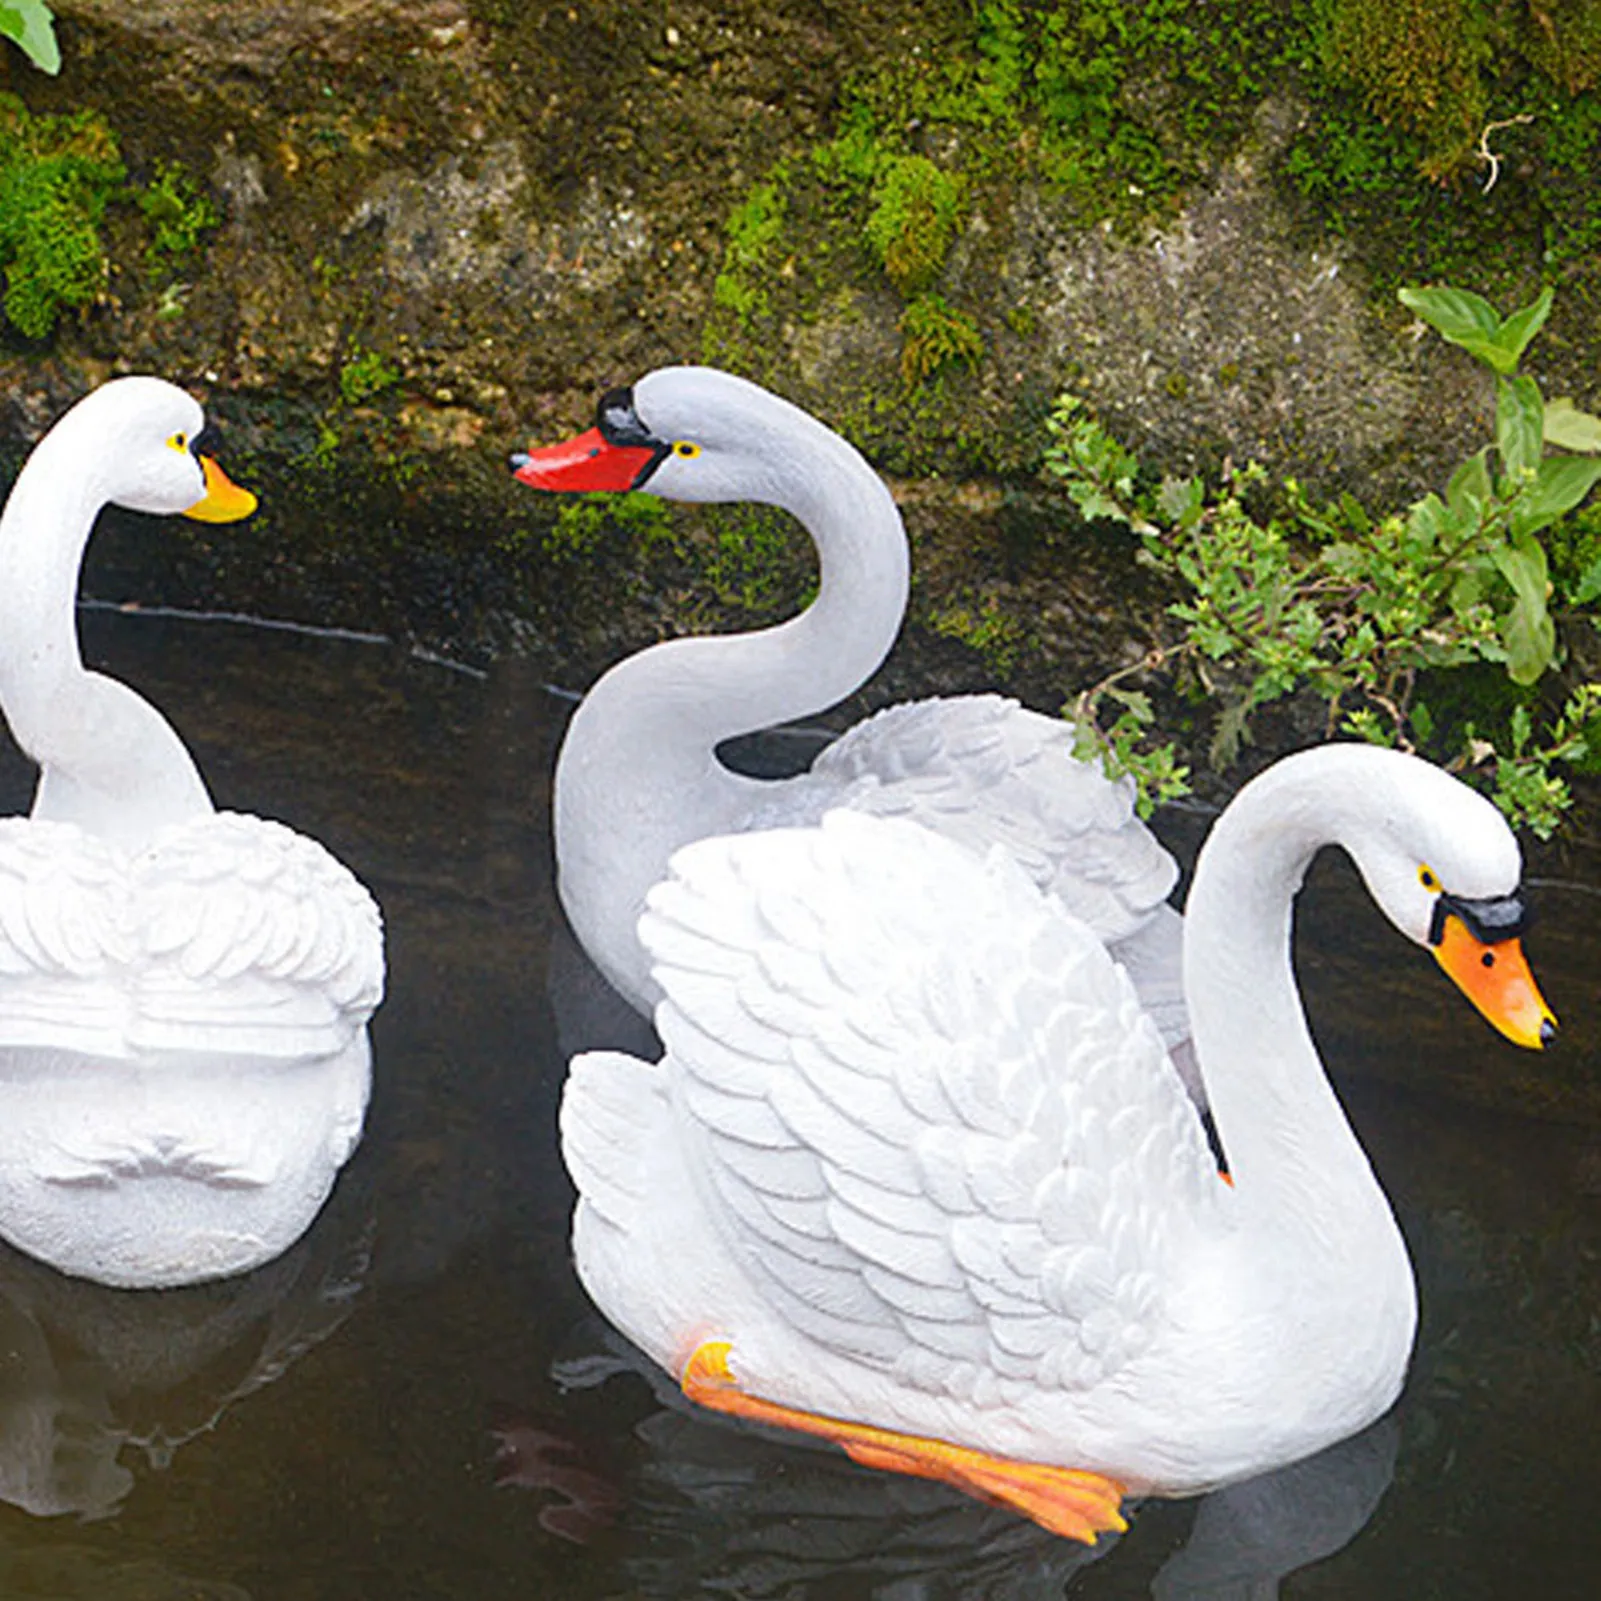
x=983 y=625
x=1115 y=108
x=179 y=213
x=1418 y=64
x=1564 y=42
x=364 y=374
x=752 y=231
x=56 y=176
x=753 y=560
x=915 y=211
x=584 y=523
x=936 y=336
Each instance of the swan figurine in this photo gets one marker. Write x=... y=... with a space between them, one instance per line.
x=915 y=1173
x=638 y=774
x=184 y=993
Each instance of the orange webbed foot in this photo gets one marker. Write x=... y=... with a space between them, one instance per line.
x=1067 y=1501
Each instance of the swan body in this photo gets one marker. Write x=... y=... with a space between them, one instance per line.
x=147 y=940
x=915 y=1157
x=638 y=775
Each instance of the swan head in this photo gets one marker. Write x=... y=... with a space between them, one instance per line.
x=1445 y=869
x=144 y=433
x=684 y=433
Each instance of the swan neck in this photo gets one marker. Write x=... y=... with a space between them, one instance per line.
x=1280 y=1122
x=43 y=533
x=638 y=774
x=109 y=761
x=814 y=660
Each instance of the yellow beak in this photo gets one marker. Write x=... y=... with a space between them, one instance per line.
x=1496 y=978
x=224 y=501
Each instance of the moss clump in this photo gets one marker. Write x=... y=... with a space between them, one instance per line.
x=179 y=214
x=914 y=217
x=984 y=626
x=56 y=176
x=1565 y=42
x=935 y=336
x=1416 y=63
x=364 y=374
x=752 y=231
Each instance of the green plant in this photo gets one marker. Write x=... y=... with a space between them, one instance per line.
x=1367 y=612
x=1418 y=63
x=916 y=207
x=935 y=335
x=179 y=213
x=31 y=25
x=1565 y=42
x=583 y=522
x=364 y=374
x=752 y=231
x=983 y=626
x=56 y=176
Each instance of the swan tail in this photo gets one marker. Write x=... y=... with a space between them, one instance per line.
x=630 y=1245
x=611 y=1115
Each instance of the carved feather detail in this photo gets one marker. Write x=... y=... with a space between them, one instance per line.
x=923 y=1109
x=227 y=933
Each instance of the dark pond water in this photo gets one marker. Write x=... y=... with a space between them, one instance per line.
x=417 y=1401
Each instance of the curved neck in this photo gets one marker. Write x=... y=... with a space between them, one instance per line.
x=638 y=773
x=1285 y=1134
x=109 y=761
x=723 y=685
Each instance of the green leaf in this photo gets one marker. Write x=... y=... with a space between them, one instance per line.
x=1589 y=585
x=1560 y=483
x=1463 y=318
x=1429 y=518
x=1181 y=500
x=1469 y=487
x=1519 y=423
x=1568 y=428
x=31 y=25
x=1527 y=630
x=1523 y=325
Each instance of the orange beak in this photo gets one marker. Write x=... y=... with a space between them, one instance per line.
x=1496 y=978
x=224 y=501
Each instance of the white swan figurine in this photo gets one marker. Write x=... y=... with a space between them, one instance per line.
x=638 y=775
x=916 y=1174
x=184 y=993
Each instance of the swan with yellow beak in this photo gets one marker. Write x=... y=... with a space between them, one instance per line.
x=184 y=992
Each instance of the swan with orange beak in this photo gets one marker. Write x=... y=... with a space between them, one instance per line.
x=1479 y=943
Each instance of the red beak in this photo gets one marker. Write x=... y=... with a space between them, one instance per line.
x=587 y=462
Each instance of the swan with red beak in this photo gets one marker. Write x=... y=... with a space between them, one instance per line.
x=916 y=1173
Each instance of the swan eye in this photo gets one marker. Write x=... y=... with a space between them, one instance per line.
x=179 y=442
x=1427 y=879
x=686 y=449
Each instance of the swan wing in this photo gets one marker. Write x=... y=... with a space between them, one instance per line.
x=984 y=771
x=65 y=937
x=928 y=1118
x=256 y=940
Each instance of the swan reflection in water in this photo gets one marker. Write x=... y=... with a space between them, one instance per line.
x=696 y=1505
x=93 y=1375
